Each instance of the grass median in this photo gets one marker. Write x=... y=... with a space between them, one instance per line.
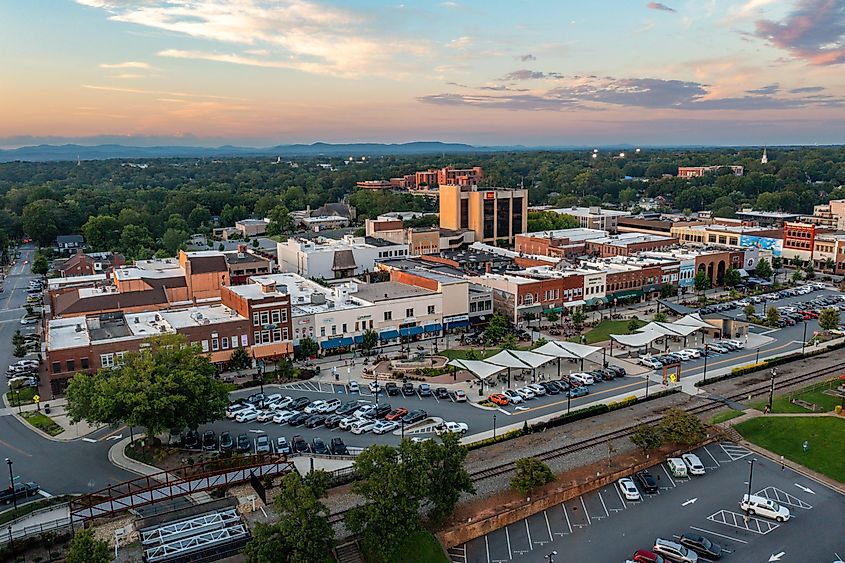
x=24 y=395
x=42 y=422
x=785 y=436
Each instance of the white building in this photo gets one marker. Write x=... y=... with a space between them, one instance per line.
x=334 y=259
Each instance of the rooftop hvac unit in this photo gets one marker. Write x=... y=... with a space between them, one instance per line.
x=137 y=320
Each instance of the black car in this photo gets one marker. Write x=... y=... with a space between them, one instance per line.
x=209 y=440
x=425 y=390
x=333 y=420
x=338 y=447
x=562 y=385
x=21 y=490
x=408 y=389
x=381 y=411
x=347 y=408
x=226 y=442
x=256 y=398
x=550 y=388
x=607 y=374
x=298 y=419
x=391 y=388
x=441 y=393
x=701 y=545
x=598 y=375
x=315 y=420
x=318 y=446
x=299 y=404
x=414 y=416
x=647 y=481
x=299 y=444
x=619 y=371
x=191 y=440
x=244 y=443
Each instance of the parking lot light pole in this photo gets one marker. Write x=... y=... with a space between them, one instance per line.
x=704 y=380
x=551 y=556
x=772 y=388
x=569 y=397
x=402 y=426
x=750 y=476
x=804 y=339
x=494 y=426
x=12 y=486
x=757 y=356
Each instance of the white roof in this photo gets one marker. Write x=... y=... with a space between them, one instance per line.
x=693 y=320
x=568 y=349
x=478 y=368
x=670 y=329
x=637 y=339
x=519 y=359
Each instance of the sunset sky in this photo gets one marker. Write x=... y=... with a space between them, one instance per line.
x=492 y=72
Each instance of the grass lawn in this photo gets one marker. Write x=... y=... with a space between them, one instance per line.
x=813 y=394
x=423 y=547
x=43 y=422
x=25 y=395
x=723 y=416
x=604 y=329
x=785 y=435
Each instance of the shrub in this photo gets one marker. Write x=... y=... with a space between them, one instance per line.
x=530 y=474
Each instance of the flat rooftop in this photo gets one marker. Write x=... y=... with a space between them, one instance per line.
x=55 y=283
x=385 y=291
x=589 y=211
x=577 y=234
x=199 y=316
x=624 y=239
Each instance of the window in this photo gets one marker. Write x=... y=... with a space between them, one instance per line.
x=106 y=360
x=244 y=341
x=235 y=341
x=322 y=331
x=431 y=309
x=118 y=357
x=284 y=315
x=71 y=365
x=344 y=328
x=388 y=315
x=276 y=335
x=255 y=321
x=225 y=342
x=334 y=330
x=205 y=345
x=409 y=312
x=83 y=363
x=57 y=367
x=285 y=334
x=215 y=344
x=265 y=318
x=276 y=317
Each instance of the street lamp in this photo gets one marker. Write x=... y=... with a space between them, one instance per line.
x=494 y=426
x=804 y=339
x=772 y=388
x=12 y=486
x=704 y=380
x=551 y=556
x=750 y=475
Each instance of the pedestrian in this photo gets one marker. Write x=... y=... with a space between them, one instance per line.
x=782 y=464
x=805 y=446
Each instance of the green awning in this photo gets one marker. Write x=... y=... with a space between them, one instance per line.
x=627 y=294
x=595 y=300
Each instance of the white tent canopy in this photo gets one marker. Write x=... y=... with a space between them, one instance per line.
x=523 y=358
x=638 y=339
x=693 y=320
x=579 y=351
x=478 y=368
x=669 y=329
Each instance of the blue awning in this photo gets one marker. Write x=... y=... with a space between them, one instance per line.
x=359 y=339
x=458 y=324
x=411 y=330
x=436 y=327
x=389 y=334
x=336 y=343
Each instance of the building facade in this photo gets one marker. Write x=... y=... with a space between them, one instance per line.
x=491 y=213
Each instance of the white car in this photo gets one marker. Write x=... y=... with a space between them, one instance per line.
x=274 y=398
x=348 y=422
x=247 y=416
x=265 y=416
x=513 y=396
x=538 y=389
x=385 y=426
x=27 y=363
x=314 y=408
x=582 y=378
x=283 y=402
x=234 y=410
x=28 y=321
x=375 y=387
x=693 y=463
x=283 y=416
x=628 y=489
x=526 y=393
x=743 y=303
x=684 y=355
x=693 y=352
x=353 y=387
x=330 y=406
x=650 y=362
x=674 y=551
x=737 y=343
x=363 y=425
x=456 y=427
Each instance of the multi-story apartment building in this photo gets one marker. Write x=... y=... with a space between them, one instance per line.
x=449 y=175
x=593 y=217
x=531 y=292
x=333 y=259
x=491 y=213
x=267 y=305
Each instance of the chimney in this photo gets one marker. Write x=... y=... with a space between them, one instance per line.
x=268 y=287
x=241 y=250
x=488 y=268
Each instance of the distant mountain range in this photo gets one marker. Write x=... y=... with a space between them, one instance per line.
x=107 y=151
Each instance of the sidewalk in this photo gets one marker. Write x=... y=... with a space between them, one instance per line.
x=59 y=415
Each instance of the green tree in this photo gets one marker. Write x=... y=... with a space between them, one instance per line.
x=42 y=220
x=702 y=282
x=168 y=384
x=678 y=426
x=763 y=269
x=174 y=240
x=530 y=474
x=633 y=325
x=777 y=265
x=280 y=221
x=578 y=318
x=732 y=277
x=393 y=486
x=177 y=223
x=86 y=548
x=550 y=221
x=240 y=359
x=447 y=477
x=660 y=317
x=667 y=290
x=552 y=317
x=829 y=318
x=809 y=272
x=308 y=348
x=772 y=316
x=40 y=266
x=797 y=276
x=647 y=437
x=829 y=265
x=101 y=232
x=750 y=311
x=369 y=339
x=496 y=329
x=198 y=217
x=302 y=533
x=136 y=242
x=509 y=342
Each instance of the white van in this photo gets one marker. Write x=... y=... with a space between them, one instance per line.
x=676 y=467
x=763 y=506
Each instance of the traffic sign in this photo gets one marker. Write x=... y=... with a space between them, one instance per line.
x=36 y=399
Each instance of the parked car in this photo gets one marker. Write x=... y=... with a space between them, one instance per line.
x=248 y=415
x=226 y=442
x=628 y=489
x=620 y=371
x=408 y=389
x=338 y=447
x=674 y=551
x=701 y=545
x=314 y=407
x=22 y=381
x=20 y=490
x=265 y=416
x=209 y=440
x=441 y=393
x=262 y=444
x=414 y=416
x=539 y=390
x=282 y=403
x=396 y=414
x=347 y=408
x=318 y=446
x=424 y=390
x=459 y=396
x=578 y=391
x=347 y=422
x=363 y=425
x=676 y=466
x=315 y=420
x=650 y=362
x=762 y=506
x=456 y=427
x=191 y=440
x=299 y=403
x=283 y=416
x=298 y=444
x=391 y=388
x=513 y=396
x=330 y=406
x=298 y=419
x=499 y=399
x=646 y=556
x=385 y=426
x=353 y=387
x=647 y=481
x=282 y=445
x=332 y=420
x=693 y=463
x=375 y=387
x=526 y=393
x=243 y=444
x=582 y=378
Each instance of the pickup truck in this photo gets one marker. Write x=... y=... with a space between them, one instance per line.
x=21 y=490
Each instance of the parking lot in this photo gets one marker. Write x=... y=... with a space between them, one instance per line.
x=603 y=526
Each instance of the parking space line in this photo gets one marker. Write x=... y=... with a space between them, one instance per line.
x=548 y=526
x=565 y=515
x=508 y=537
x=666 y=471
x=487 y=547
x=603 y=504
x=782 y=497
x=587 y=514
x=743 y=522
x=528 y=531
x=718 y=534
x=624 y=505
x=711 y=457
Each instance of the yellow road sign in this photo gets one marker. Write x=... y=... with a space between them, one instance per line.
x=36 y=399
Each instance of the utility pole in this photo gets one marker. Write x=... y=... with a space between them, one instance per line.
x=772 y=389
x=750 y=475
x=12 y=486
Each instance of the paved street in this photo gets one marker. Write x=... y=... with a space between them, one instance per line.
x=602 y=526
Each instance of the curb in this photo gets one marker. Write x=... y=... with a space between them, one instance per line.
x=117 y=457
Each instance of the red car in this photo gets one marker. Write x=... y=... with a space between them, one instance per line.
x=498 y=399
x=396 y=414
x=645 y=556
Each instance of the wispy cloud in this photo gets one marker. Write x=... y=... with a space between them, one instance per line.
x=525 y=74
x=770 y=89
x=660 y=7
x=460 y=42
x=296 y=34
x=157 y=92
x=813 y=31
x=527 y=57
x=127 y=64
x=807 y=90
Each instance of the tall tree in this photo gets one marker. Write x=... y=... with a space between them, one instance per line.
x=101 y=232
x=496 y=329
x=732 y=277
x=829 y=318
x=308 y=348
x=447 y=477
x=763 y=269
x=680 y=427
x=530 y=474
x=86 y=548
x=166 y=385
x=369 y=340
x=42 y=221
x=702 y=282
x=40 y=267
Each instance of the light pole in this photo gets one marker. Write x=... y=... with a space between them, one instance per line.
x=569 y=397
x=804 y=339
x=757 y=356
x=402 y=426
x=12 y=486
x=494 y=426
x=772 y=388
x=704 y=380
x=551 y=556
x=750 y=475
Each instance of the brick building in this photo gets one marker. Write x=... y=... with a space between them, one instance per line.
x=267 y=304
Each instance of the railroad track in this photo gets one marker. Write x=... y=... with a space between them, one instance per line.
x=758 y=389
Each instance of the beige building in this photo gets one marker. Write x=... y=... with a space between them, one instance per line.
x=491 y=213
x=831 y=214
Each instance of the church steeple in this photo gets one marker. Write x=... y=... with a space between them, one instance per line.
x=765 y=158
